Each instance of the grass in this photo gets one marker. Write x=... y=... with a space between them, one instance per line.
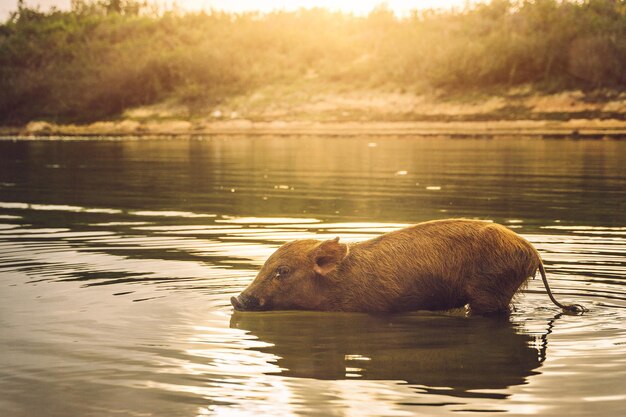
x=100 y=60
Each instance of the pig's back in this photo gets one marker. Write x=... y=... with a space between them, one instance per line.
x=436 y=265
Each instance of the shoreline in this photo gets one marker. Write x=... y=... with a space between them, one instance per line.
x=303 y=110
x=576 y=129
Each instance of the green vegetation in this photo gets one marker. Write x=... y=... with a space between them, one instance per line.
x=101 y=58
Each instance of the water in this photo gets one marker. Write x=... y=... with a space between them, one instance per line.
x=118 y=258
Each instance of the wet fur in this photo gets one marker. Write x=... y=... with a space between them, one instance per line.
x=436 y=265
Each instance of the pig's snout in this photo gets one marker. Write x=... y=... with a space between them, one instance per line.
x=245 y=302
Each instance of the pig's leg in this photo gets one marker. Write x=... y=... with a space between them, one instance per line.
x=484 y=306
x=493 y=294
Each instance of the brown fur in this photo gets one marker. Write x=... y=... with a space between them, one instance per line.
x=435 y=265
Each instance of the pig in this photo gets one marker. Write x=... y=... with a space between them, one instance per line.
x=435 y=265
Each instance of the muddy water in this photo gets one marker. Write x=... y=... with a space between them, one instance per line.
x=118 y=258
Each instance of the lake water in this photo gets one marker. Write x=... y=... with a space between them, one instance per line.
x=118 y=258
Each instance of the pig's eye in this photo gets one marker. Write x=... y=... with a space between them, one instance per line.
x=282 y=271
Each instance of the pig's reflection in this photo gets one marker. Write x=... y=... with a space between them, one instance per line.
x=431 y=350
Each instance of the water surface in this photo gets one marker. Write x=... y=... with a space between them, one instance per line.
x=118 y=258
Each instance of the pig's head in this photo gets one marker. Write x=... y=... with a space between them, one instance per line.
x=298 y=276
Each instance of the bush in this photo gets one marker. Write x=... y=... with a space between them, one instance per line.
x=101 y=58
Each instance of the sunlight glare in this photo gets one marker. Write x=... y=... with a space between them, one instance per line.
x=358 y=7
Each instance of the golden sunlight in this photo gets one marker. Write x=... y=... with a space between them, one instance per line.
x=358 y=7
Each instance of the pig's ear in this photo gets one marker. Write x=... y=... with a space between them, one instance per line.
x=328 y=255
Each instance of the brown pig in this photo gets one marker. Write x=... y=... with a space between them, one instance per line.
x=436 y=265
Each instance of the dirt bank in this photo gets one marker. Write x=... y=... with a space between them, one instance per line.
x=291 y=110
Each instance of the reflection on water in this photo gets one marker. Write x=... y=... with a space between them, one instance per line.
x=118 y=258
x=431 y=350
x=342 y=178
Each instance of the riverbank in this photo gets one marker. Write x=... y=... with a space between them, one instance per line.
x=302 y=111
x=212 y=71
x=596 y=129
